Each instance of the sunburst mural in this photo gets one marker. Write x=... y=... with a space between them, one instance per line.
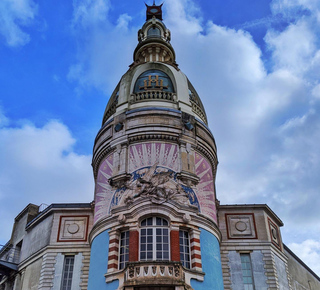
x=141 y=158
x=103 y=190
x=205 y=188
x=147 y=154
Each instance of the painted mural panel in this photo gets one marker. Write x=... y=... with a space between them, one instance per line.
x=205 y=188
x=154 y=168
x=103 y=190
x=148 y=154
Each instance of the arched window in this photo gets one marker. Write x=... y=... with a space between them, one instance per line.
x=153 y=80
x=154 y=239
x=154 y=32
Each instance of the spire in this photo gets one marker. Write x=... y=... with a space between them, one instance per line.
x=154 y=11
x=154 y=39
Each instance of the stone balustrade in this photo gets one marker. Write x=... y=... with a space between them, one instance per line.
x=145 y=270
x=156 y=95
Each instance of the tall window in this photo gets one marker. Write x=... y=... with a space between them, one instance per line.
x=184 y=248
x=247 y=272
x=124 y=249
x=67 y=273
x=154 y=239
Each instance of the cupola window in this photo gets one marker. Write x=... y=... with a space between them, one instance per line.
x=153 y=80
x=154 y=32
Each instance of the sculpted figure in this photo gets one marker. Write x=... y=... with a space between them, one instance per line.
x=159 y=187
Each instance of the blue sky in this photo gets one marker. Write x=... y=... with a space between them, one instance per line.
x=255 y=64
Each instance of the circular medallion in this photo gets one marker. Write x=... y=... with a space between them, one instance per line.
x=241 y=226
x=73 y=228
x=154 y=10
x=274 y=234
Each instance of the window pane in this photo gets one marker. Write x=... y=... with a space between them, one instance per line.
x=247 y=271
x=155 y=237
x=67 y=273
x=124 y=249
x=184 y=248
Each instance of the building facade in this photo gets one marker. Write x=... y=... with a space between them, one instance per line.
x=155 y=222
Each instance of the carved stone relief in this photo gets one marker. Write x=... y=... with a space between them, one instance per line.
x=73 y=228
x=155 y=183
x=274 y=234
x=241 y=226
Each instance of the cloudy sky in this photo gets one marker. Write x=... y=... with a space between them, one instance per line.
x=255 y=64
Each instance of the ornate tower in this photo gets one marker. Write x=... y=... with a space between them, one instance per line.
x=154 y=162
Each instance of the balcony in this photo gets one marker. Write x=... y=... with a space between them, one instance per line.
x=150 y=273
x=163 y=272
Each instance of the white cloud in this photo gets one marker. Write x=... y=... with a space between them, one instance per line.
x=184 y=14
x=4 y=121
x=99 y=43
x=15 y=14
x=293 y=48
x=89 y=12
x=123 y=21
x=309 y=252
x=38 y=165
x=289 y=6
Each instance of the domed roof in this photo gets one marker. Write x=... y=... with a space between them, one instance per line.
x=154 y=79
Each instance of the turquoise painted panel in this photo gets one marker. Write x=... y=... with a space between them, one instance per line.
x=99 y=264
x=211 y=263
